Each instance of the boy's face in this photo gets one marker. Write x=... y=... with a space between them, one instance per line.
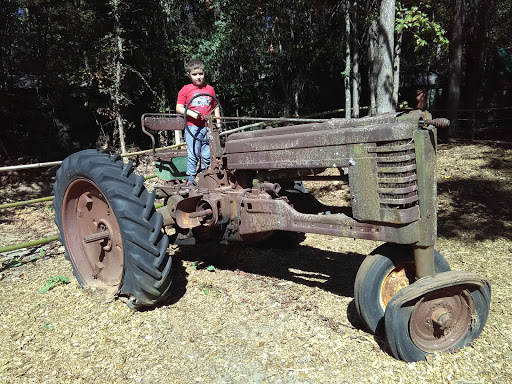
x=197 y=77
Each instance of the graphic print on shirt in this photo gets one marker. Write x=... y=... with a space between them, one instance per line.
x=201 y=103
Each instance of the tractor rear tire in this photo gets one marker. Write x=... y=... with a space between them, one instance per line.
x=110 y=229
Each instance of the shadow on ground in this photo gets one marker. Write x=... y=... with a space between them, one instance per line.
x=331 y=271
x=479 y=208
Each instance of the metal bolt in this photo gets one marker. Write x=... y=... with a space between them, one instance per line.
x=206 y=212
x=442 y=318
x=97 y=236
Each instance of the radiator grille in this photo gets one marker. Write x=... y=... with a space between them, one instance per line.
x=396 y=171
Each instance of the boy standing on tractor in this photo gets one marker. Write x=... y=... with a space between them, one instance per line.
x=196 y=134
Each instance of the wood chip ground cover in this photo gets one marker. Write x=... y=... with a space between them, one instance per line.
x=261 y=315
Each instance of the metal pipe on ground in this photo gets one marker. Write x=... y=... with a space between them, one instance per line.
x=30 y=166
x=29 y=244
x=43 y=199
x=27 y=202
x=54 y=163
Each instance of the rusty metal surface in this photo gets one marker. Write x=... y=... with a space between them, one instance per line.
x=216 y=163
x=398 y=278
x=438 y=123
x=161 y=122
x=322 y=125
x=426 y=170
x=424 y=258
x=324 y=157
x=328 y=136
x=260 y=215
x=378 y=156
x=441 y=319
x=92 y=235
x=185 y=209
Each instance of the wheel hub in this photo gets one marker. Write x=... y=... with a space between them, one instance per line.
x=398 y=278
x=441 y=319
x=92 y=235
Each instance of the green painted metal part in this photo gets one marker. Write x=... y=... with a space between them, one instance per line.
x=425 y=146
x=171 y=169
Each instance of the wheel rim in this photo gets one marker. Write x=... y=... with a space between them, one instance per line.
x=92 y=236
x=441 y=319
x=398 y=278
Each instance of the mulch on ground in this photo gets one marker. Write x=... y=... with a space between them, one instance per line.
x=257 y=315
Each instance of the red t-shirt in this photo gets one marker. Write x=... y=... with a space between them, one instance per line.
x=202 y=104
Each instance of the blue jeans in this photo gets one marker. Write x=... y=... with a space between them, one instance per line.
x=197 y=151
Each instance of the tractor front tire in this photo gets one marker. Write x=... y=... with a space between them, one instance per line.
x=389 y=268
x=111 y=231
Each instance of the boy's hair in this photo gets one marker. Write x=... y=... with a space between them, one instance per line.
x=194 y=64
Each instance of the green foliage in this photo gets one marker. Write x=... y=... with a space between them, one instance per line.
x=195 y=265
x=52 y=282
x=13 y=263
x=417 y=22
x=43 y=305
x=50 y=211
x=48 y=326
x=263 y=58
x=209 y=290
x=199 y=264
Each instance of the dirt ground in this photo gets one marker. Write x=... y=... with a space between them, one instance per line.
x=256 y=315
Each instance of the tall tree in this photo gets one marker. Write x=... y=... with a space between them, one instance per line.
x=348 y=62
x=455 y=66
x=476 y=54
x=426 y=36
x=356 y=76
x=117 y=53
x=385 y=57
x=372 y=64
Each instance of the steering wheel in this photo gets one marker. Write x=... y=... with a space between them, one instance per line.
x=185 y=115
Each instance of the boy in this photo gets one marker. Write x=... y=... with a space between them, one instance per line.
x=197 y=151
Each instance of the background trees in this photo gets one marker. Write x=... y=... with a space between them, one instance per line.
x=77 y=74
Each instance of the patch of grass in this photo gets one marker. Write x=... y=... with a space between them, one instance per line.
x=13 y=263
x=199 y=264
x=45 y=304
x=52 y=282
x=195 y=265
x=50 y=211
x=210 y=290
x=48 y=326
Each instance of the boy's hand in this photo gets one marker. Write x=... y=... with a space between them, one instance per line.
x=198 y=116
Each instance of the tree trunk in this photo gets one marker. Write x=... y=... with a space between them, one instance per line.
x=346 y=75
x=475 y=57
x=372 y=77
x=356 y=76
x=385 y=55
x=455 y=65
x=396 y=68
x=118 y=76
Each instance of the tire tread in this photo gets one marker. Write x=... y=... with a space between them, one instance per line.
x=147 y=265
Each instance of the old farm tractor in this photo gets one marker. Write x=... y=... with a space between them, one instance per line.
x=405 y=289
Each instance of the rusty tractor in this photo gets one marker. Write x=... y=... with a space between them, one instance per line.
x=404 y=289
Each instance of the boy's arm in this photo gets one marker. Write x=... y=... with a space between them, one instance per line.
x=216 y=111
x=180 y=108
